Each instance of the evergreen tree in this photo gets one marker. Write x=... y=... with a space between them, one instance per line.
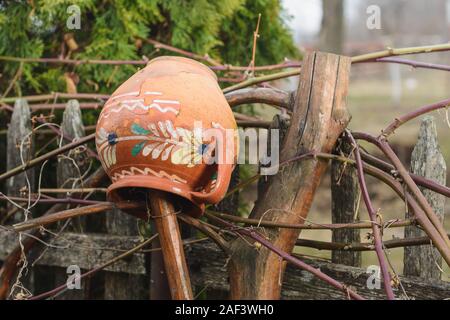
x=113 y=29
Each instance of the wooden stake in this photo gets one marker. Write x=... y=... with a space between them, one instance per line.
x=166 y=223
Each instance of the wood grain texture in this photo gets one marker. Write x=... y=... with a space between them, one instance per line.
x=12 y=260
x=19 y=128
x=319 y=117
x=163 y=214
x=70 y=169
x=207 y=264
x=426 y=161
x=345 y=198
x=122 y=285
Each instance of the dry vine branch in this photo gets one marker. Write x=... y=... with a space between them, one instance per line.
x=412 y=115
x=421 y=181
x=289 y=258
x=383 y=145
x=361 y=246
x=400 y=51
x=307 y=225
x=74 y=61
x=99 y=268
x=377 y=233
x=417 y=210
x=71 y=213
x=53 y=153
x=414 y=64
x=13 y=260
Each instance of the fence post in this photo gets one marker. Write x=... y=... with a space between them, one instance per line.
x=345 y=198
x=19 y=128
x=319 y=117
x=427 y=161
x=121 y=286
x=70 y=168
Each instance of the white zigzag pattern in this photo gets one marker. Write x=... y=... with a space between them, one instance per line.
x=147 y=171
x=141 y=106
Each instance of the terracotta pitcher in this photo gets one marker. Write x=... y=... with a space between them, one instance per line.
x=151 y=135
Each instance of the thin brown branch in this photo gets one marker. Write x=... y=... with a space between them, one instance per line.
x=64 y=135
x=205 y=58
x=73 y=61
x=36 y=161
x=74 y=190
x=384 y=146
x=390 y=169
x=414 y=64
x=377 y=232
x=400 y=51
x=307 y=225
x=362 y=246
x=48 y=201
x=256 y=80
x=99 y=268
x=414 y=114
x=206 y=230
x=413 y=203
x=57 y=95
x=71 y=213
x=268 y=96
x=288 y=257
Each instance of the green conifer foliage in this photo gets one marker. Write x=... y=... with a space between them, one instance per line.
x=110 y=29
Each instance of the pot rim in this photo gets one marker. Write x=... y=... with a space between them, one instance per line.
x=149 y=182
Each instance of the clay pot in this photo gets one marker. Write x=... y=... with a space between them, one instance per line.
x=146 y=136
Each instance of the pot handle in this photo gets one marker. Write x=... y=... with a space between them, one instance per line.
x=217 y=193
x=219 y=190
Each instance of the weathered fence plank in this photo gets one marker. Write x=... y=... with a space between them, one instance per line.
x=319 y=117
x=70 y=170
x=20 y=149
x=120 y=286
x=85 y=250
x=210 y=273
x=345 y=198
x=427 y=161
x=208 y=269
x=19 y=128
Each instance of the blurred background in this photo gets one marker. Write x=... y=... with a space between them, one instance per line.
x=379 y=92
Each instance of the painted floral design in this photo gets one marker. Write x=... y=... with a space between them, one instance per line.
x=159 y=140
x=107 y=142
x=180 y=144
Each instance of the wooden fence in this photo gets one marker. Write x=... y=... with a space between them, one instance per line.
x=87 y=242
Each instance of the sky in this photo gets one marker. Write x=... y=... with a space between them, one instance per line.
x=307 y=16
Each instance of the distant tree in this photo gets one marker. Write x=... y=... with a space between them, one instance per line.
x=332 y=30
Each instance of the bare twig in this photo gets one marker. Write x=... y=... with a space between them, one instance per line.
x=256 y=80
x=272 y=97
x=414 y=114
x=73 y=61
x=362 y=246
x=71 y=213
x=289 y=258
x=99 y=268
x=400 y=51
x=414 y=64
x=307 y=225
x=373 y=217
x=53 y=153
